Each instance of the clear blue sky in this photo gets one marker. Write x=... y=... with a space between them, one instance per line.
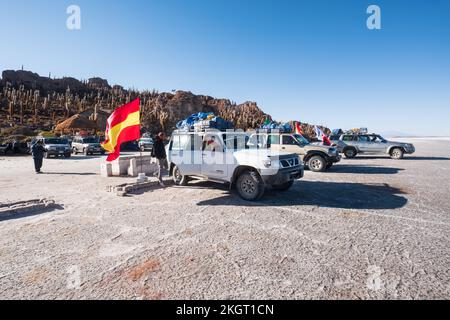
x=313 y=61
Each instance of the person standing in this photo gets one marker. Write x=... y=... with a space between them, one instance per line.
x=38 y=150
x=159 y=152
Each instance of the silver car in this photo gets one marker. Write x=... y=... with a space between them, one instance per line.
x=87 y=146
x=372 y=144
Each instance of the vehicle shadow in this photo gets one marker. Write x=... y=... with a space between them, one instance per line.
x=356 y=169
x=5 y=216
x=343 y=195
x=427 y=158
x=79 y=158
x=71 y=173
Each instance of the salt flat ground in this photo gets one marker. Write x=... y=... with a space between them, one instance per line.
x=370 y=228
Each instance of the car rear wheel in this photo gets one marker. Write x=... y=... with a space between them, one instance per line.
x=250 y=186
x=317 y=164
x=142 y=148
x=85 y=152
x=350 y=153
x=74 y=151
x=397 y=153
x=285 y=186
x=178 y=178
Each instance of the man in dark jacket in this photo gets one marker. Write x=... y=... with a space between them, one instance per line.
x=159 y=152
x=38 y=150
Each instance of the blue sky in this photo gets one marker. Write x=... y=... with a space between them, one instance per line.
x=313 y=61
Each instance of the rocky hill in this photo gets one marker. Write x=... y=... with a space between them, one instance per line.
x=32 y=102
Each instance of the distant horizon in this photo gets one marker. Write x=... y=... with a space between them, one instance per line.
x=310 y=61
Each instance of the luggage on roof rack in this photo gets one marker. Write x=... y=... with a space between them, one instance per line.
x=201 y=121
x=281 y=127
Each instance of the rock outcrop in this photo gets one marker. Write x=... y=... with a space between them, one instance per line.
x=39 y=103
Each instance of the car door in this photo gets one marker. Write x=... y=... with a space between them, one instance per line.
x=363 y=143
x=175 y=152
x=377 y=145
x=290 y=144
x=213 y=157
x=274 y=142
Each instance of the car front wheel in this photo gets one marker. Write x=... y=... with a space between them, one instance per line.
x=250 y=186
x=397 y=154
x=317 y=164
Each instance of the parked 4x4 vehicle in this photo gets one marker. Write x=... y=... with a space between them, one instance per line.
x=145 y=143
x=317 y=157
x=87 y=146
x=372 y=144
x=55 y=146
x=205 y=155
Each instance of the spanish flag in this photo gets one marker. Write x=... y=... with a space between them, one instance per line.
x=298 y=127
x=122 y=126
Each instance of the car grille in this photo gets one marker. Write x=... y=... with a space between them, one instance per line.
x=288 y=163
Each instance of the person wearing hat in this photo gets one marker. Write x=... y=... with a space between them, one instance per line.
x=159 y=152
x=38 y=150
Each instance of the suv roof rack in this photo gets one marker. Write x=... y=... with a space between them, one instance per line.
x=197 y=130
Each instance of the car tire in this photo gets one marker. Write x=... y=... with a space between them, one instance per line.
x=74 y=151
x=317 y=164
x=85 y=152
x=67 y=155
x=46 y=155
x=178 y=178
x=350 y=153
x=397 y=153
x=142 y=148
x=285 y=186
x=250 y=186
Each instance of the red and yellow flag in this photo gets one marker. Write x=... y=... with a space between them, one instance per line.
x=122 y=126
x=298 y=128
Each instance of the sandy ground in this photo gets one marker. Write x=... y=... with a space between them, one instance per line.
x=370 y=228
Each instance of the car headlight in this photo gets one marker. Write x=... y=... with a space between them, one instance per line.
x=267 y=163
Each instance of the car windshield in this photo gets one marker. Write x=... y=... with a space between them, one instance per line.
x=55 y=141
x=381 y=139
x=301 y=139
x=91 y=140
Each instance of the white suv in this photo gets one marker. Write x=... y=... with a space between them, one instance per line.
x=222 y=157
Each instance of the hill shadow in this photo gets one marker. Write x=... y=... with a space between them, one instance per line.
x=343 y=195
x=356 y=169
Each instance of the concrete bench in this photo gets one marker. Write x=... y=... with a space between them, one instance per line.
x=128 y=166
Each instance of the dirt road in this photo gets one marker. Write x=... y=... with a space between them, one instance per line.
x=370 y=228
